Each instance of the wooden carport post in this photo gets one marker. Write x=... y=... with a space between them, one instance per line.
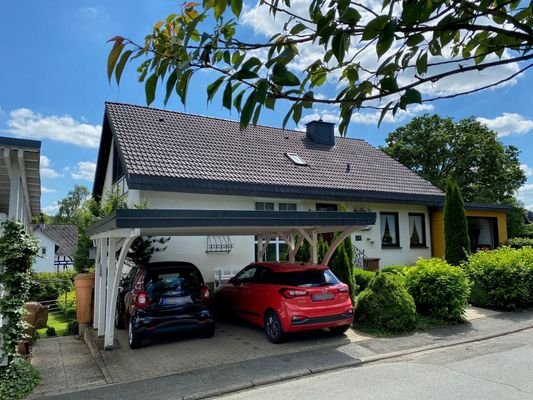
x=338 y=240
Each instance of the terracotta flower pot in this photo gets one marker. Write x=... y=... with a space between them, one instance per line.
x=84 y=284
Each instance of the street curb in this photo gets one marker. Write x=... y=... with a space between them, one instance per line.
x=401 y=353
x=357 y=362
x=88 y=338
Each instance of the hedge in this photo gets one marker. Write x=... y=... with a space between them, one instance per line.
x=386 y=305
x=501 y=278
x=362 y=279
x=438 y=289
x=67 y=304
x=49 y=285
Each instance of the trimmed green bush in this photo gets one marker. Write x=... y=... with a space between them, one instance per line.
x=438 y=289
x=386 y=305
x=18 y=380
x=501 y=278
x=49 y=285
x=67 y=304
x=362 y=279
x=519 y=242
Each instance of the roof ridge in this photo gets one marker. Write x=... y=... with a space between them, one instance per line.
x=199 y=115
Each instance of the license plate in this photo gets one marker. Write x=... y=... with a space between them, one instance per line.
x=322 y=296
x=176 y=301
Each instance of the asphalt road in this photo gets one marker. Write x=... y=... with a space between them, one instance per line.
x=500 y=368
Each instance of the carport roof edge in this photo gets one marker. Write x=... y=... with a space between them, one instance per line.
x=233 y=220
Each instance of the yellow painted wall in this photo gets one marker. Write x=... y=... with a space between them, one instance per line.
x=437 y=228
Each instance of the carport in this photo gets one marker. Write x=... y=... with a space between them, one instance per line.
x=115 y=233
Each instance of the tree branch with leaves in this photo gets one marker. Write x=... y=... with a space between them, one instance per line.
x=410 y=39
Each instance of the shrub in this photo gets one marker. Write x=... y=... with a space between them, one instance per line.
x=49 y=285
x=386 y=305
x=51 y=331
x=18 y=380
x=501 y=278
x=396 y=269
x=457 y=242
x=438 y=289
x=519 y=242
x=73 y=327
x=362 y=279
x=67 y=304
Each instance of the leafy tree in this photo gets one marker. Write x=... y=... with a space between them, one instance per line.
x=457 y=242
x=437 y=148
x=87 y=215
x=71 y=205
x=382 y=57
x=143 y=248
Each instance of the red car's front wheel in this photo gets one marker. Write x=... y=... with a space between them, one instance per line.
x=273 y=328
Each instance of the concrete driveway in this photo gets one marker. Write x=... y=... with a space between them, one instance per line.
x=233 y=342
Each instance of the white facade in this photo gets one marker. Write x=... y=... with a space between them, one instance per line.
x=194 y=249
x=44 y=262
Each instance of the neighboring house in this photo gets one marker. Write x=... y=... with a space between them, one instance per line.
x=173 y=160
x=57 y=246
x=20 y=183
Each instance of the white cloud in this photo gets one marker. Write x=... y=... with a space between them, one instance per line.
x=508 y=124
x=525 y=195
x=46 y=168
x=528 y=171
x=47 y=190
x=259 y=19
x=52 y=209
x=86 y=170
x=24 y=122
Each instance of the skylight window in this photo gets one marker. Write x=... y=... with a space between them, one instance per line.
x=295 y=158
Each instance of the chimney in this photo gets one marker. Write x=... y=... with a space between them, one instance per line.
x=321 y=132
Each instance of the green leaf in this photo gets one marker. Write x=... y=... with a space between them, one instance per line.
x=422 y=64
x=171 y=81
x=236 y=7
x=120 y=66
x=297 y=114
x=226 y=97
x=149 y=88
x=238 y=100
x=252 y=62
x=236 y=59
x=389 y=84
x=374 y=27
x=338 y=45
x=246 y=114
x=183 y=84
x=270 y=102
x=213 y=87
x=283 y=77
x=384 y=112
x=480 y=54
x=350 y=16
x=318 y=78
x=262 y=90
x=219 y=7
x=410 y=96
x=243 y=74
x=415 y=40
x=296 y=29
x=257 y=112
x=113 y=57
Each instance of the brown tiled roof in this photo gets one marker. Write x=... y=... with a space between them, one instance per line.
x=65 y=236
x=167 y=150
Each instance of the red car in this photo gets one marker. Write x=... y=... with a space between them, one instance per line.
x=288 y=297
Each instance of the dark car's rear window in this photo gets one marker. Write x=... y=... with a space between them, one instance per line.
x=162 y=280
x=308 y=278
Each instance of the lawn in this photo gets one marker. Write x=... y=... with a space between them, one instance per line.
x=59 y=322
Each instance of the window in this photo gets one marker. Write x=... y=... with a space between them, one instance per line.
x=326 y=207
x=246 y=275
x=43 y=251
x=295 y=158
x=277 y=249
x=287 y=206
x=390 y=235
x=264 y=206
x=417 y=230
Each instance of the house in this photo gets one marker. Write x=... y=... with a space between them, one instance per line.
x=227 y=197
x=20 y=184
x=57 y=247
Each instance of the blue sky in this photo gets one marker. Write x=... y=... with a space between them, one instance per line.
x=54 y=85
